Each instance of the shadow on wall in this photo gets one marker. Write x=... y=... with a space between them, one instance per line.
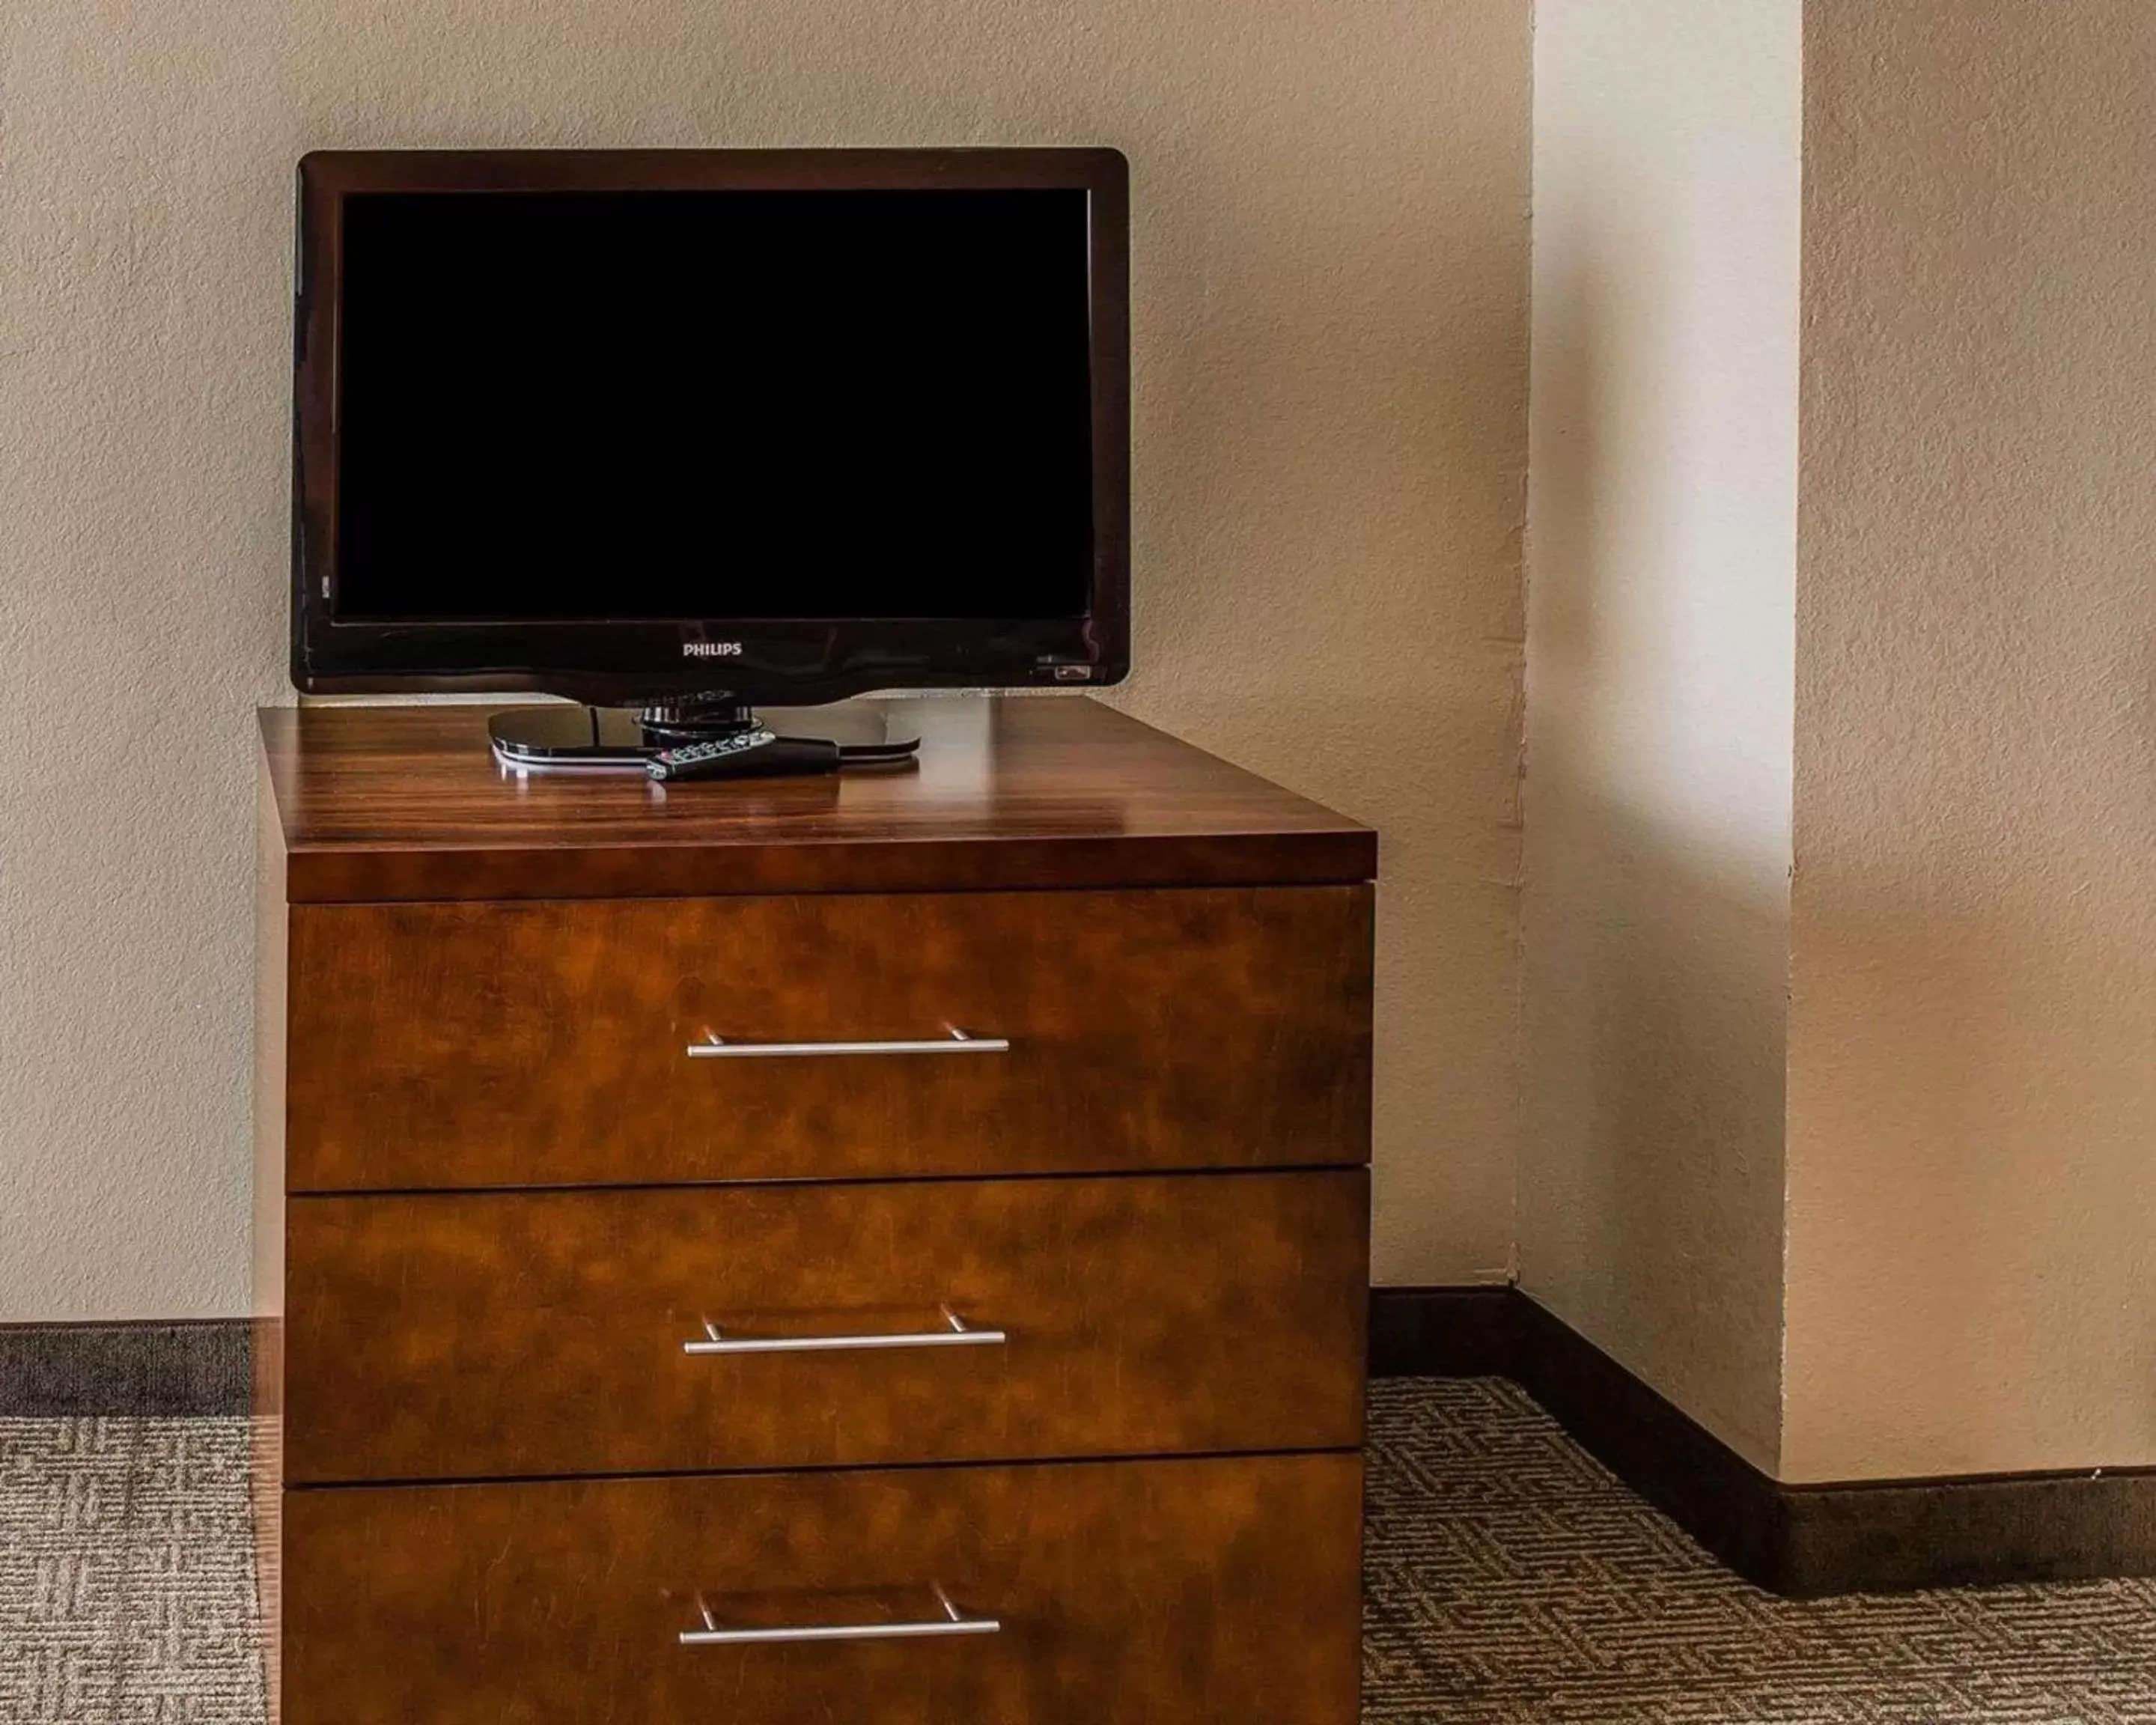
x=1651 y=1191
x=1861 y=1182
x=1657 y=907
x=1331 y=436
x=1967 y=1195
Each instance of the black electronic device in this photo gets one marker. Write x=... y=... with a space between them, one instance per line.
x=684 y=432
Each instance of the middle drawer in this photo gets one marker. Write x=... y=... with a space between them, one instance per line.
x=502 y=1335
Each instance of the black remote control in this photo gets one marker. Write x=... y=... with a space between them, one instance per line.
x=701 y=760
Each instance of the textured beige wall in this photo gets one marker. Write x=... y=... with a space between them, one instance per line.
x=1330 y=269
x=1971 y=1229
x=1661 y=565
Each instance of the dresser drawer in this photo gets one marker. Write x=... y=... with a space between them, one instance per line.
x=1138 y=1593
x=449 y=1046
x=500 y=1335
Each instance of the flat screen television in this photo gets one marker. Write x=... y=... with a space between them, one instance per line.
x=652 y=428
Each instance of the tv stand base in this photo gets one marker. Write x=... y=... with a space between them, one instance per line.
x=563 y=738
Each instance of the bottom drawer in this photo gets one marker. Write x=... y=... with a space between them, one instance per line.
x=1168 y=1593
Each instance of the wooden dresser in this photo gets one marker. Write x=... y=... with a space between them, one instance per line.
x=887 y=1249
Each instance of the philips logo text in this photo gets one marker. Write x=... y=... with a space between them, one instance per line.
x=711 y=650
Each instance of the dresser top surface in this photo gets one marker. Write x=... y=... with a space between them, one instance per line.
x=396 y=803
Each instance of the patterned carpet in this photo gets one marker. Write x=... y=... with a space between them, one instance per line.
x=1512 y=1582
x=126 y=1574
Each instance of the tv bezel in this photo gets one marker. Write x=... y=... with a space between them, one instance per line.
x=632 y=662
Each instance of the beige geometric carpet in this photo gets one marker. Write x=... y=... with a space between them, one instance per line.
x=1512 y=1582
x=126 y=1574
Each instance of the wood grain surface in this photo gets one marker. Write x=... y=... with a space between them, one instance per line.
x=498 y=1194
x=504 y=1335
x=266 y=1474
x=449 y=1046
x=406 y=802
x=1163 y=1593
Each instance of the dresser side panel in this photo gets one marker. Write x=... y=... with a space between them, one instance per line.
x=272 y=958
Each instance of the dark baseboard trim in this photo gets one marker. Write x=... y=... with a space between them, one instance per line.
x=1803 y=1542
x=1662 y=1452
x=1889 y=1537
x=197 y=1370
x=1442 y=1332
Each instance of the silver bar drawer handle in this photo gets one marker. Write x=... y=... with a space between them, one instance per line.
x=953 y=1622
x=717 y=1048
x=959 y=1334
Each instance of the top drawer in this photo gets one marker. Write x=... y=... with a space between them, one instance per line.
x=447 y=1045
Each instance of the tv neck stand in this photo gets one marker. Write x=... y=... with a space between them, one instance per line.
x=701 y=718
x=713 y=737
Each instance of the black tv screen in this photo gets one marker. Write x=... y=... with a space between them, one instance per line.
x=589 y=421
x=693 y=404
